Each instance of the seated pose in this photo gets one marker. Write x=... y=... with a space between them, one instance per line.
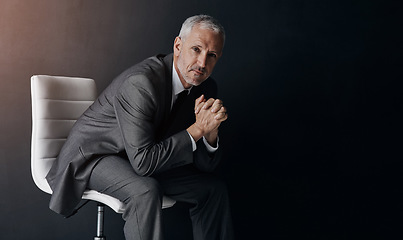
x=154 y=131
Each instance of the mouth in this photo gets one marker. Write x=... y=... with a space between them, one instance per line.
x=198 y=72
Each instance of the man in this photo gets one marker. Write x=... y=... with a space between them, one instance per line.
x=137 y=142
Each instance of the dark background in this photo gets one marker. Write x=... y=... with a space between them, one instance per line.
x=313 y=143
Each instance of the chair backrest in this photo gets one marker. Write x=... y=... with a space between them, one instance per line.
x=57 y=102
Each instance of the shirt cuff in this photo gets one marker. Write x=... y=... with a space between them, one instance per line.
x=194 y=147
x=209 y=148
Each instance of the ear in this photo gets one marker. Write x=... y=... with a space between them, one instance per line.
x=177 y=46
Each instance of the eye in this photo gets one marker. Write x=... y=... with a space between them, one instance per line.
x=196 y=49
x=213 y=55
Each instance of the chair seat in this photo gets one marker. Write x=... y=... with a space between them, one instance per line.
x=117 y=205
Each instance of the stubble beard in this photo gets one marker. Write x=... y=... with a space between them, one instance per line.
x=185 y=74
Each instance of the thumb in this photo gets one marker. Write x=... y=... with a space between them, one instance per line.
x=197 y=103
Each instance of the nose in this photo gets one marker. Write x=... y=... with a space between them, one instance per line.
x=202 y=60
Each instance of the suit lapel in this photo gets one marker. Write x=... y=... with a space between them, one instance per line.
x=167 y=61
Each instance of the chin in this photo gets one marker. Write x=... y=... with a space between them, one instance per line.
x=195 y=82
x=192 y=83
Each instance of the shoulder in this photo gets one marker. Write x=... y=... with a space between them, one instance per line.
x=147 y=81
x=151 y=68
x=150 y=74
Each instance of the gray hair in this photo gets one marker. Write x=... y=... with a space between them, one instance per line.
x=204 y=22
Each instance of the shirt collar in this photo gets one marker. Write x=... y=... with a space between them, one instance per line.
x=177 y=86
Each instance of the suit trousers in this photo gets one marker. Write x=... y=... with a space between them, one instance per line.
x=207 y=195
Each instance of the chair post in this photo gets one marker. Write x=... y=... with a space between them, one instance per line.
x=100 y=223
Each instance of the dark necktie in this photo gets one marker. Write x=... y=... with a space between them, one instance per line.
x=179 y=101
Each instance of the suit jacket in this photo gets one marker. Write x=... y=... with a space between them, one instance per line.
x=130 y=118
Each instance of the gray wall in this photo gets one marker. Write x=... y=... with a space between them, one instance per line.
x=312 y=148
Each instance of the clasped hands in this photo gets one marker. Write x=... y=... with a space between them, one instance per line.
x=209 y=115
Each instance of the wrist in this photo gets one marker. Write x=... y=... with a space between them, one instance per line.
x=211 y=138
x=196 y=132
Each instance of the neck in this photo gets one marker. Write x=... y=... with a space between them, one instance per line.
x=184 y=83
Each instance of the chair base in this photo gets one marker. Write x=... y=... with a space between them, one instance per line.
x=100 y=223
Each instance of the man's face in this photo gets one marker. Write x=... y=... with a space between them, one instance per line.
x=196 y=55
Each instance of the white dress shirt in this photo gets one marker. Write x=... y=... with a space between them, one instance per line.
x=177 y=88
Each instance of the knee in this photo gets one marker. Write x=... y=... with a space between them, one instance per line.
x=149 y=190
x=152 y=188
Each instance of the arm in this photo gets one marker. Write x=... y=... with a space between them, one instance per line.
x=135 y=106
x=209 y=115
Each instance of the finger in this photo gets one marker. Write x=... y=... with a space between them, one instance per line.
x=198 y=105
x=221 y=117
x=217 y=105
x=199 y=100
x=222 y=110
x=221 y=114
x=209 y=103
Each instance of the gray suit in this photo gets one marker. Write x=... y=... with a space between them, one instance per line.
x=131 y=120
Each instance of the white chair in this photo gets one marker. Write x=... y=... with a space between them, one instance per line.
x=57 y=102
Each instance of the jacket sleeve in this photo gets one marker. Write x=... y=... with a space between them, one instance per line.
x=136 y=106
x=205 y=161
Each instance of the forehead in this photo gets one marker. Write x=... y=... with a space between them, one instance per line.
x=205 y=38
